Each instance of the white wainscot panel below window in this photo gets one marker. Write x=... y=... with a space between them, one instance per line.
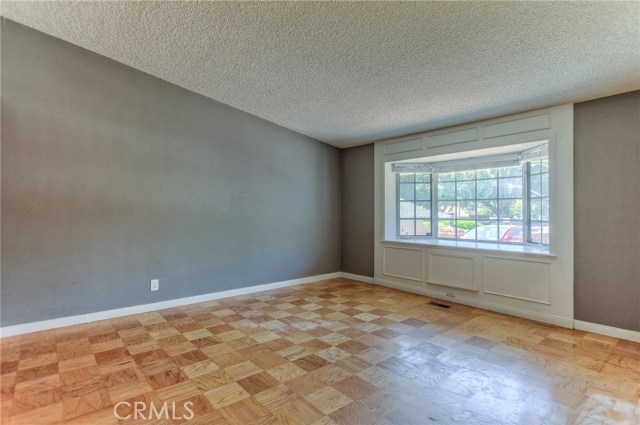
x=455 y=270
x=522 y=279
x=405 y=263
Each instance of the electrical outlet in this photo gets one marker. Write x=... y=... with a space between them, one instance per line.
x=155 y=285
x=450 y=294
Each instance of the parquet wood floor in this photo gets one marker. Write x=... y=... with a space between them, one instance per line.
x=331 y=352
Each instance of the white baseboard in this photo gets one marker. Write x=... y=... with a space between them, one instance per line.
x=357 y=277
x=126 y=311
x=607 y=330
x=513 y=311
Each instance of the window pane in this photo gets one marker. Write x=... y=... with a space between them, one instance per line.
x=487 y=189
x=469 y=234
x=406 y=191
x=487 y=173
x=446 y=230
x=466 y=228
x=511 y=187
x=423 y=177
x=539 y=202
x=511 y=209
x=545 y=185
x=536 y=186
x=545 y=233
x=536 y=232
x=447 y=191
x=423 y=191
x=406 y=210
x=447 y=209
x=511 y=232
x=535 y=209
x=515 y=170
x=446 y=177
x=407 y=227
x=535 y=167
x=423 y=209
x=488 y=209
x=545 y=209
x=414 y=214
x=486 y=204
x=466 y=190
x=423 y=227
x=408 y=177
x=487 y=223
x=539 y=232
x=465 y=175
x=466 y=210
x=541 y=166
x=488 y=231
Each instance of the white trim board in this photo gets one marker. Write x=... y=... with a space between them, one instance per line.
x=126 y=311
x=607 y=330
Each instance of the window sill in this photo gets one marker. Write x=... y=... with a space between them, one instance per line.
x=486 y=247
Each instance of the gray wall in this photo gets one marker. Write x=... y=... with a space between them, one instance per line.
x=112 y=177
x=357 y=210
x=607 y=208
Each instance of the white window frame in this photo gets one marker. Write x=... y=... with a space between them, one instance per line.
x=559 y=150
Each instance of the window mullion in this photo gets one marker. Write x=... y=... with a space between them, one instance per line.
x=398 y=205
x=475 y=203
x=415 y=204
x=526 y=202
x=434 y=205
x=456 y=202
x=498 y=204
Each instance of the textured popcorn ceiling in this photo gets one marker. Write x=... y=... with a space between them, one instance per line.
x=348 y=73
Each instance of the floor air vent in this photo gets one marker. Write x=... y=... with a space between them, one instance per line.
x=439 y=305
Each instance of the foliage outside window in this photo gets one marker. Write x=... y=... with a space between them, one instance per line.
x=503 y=204
x=538 y=174
x=414 y=206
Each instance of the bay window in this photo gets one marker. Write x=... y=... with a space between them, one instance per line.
x=493 y=198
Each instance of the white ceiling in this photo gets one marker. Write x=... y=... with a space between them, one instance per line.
x=348 y=73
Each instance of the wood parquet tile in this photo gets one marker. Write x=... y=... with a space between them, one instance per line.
x=328 y=353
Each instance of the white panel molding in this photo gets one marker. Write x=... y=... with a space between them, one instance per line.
x=452 y=137
x=404 y=146
x=126 y=311
x=498 y=279
x=403 y=264
x=460 y=269
x=520 y=128
x=517 y=126
x=565 y=322
x=607 y=330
